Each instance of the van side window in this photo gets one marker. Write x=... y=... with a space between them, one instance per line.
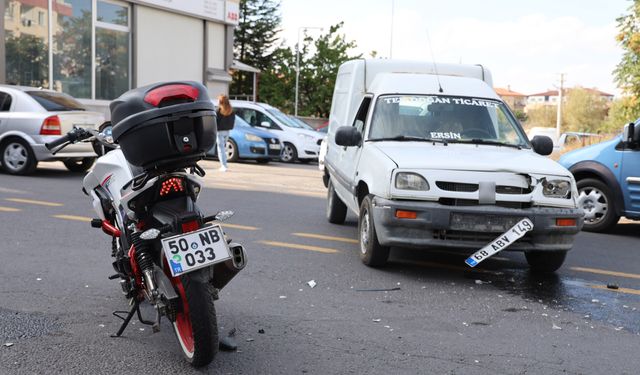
x=5 y=102
x=361 y=116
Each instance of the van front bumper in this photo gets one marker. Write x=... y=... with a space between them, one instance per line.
x=438 y=225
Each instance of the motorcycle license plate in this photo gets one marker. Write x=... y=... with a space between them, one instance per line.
x=502 y=242
x=194 y=250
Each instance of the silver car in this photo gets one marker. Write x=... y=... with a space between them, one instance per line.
x=31 y=117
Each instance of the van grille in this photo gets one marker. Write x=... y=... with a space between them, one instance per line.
x=483 y=237
x=470 y=188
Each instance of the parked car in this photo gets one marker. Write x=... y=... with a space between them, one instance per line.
x=430 y=159
x=31 y=117
x=298 y=143
x=608 y=177
x=568 y=139
x=247 y=142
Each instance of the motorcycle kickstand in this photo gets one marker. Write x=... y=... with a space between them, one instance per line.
x=135 y=308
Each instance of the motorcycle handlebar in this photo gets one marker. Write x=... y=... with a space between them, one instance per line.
x=75 y=135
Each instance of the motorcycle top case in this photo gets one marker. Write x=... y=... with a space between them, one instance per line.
x=164 y=126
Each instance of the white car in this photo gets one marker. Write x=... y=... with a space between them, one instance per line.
x=31 y=117
x=298 y=143
x=432 y=159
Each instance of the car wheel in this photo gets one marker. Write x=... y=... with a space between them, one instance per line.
x=336 y=209
x=17 y=157
x=289 y=153
x=263 y=161
x=545 y=261
x=371 y=252
x=596 y=200
x=79 y=165
x=232 y=150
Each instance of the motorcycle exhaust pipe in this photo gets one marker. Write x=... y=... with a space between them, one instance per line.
x=227 y=270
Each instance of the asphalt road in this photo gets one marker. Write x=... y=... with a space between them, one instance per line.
x=441 y=317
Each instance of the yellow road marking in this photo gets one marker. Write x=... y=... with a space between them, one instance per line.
x=605 y=272
x=31 y=201
x=72 y=217
x=323 y=237
x=619 y=290
x=319 y=249
x=9 y=209
x=237 y=226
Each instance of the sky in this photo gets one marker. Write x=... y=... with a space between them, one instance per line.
x=525 y=44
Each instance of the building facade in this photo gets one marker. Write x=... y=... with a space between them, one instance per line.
x=95 y=50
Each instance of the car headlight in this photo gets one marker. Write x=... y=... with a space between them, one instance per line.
x=411 y=181
x=305 y=137
x=556 y=188
x=252 y=138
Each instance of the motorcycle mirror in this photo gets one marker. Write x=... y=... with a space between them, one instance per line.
x=224 y=215
x=150 y=234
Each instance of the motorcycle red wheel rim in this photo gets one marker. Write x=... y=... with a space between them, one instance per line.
x=183 y=323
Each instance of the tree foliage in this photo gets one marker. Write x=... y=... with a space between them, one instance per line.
x=584 y=111
x=627 y=72
x=256 y=38
x=543 y=115
x=27 y=61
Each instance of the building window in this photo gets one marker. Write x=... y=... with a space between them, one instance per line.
x=80 y=66
x=26 y=44
x=72 y=48
x=112 y=50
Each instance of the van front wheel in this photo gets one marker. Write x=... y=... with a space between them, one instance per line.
x=371 y=252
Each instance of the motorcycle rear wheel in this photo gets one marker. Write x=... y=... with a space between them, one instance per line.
x=196 y=326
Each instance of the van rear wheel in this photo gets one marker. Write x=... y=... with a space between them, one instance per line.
x=336 y=209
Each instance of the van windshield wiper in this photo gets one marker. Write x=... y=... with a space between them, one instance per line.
x=479 y=141
x=409 y=138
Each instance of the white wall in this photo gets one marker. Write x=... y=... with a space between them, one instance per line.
x=169 y=47
x=216 y=40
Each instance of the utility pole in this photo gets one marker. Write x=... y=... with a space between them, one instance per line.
x=559 y=118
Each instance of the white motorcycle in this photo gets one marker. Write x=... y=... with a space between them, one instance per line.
x=144 y=192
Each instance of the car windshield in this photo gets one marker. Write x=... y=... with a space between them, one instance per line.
x=450 y=118
x=56 y=101
x=303 y=124
x=284 y=119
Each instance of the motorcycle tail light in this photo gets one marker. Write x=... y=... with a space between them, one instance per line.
x=171 y=93
x=171 y=185
x=51 y=126
x=190 y=226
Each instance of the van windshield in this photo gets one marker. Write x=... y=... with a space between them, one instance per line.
x=445 y=118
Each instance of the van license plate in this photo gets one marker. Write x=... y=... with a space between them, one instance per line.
x=502 y=242
x=194 y=250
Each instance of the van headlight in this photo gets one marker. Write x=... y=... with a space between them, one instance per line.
x=252 y=138
x=411 y=181
x=556 y=188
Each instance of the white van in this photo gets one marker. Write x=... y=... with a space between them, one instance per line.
x=298 y=142
x=428 y=159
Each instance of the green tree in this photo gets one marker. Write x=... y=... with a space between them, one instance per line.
x=584 y=111
x=319 y=68
x=627 y=72
x=543 y=115
x=256 y=38
x=622 y=111
x=27 y=61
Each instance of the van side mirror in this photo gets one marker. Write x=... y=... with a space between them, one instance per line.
x=265 y=124
x=542 y=145
x=630 y=134
x=348 y=136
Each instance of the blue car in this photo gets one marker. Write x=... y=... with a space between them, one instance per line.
x=608 y=177
x=247 y=142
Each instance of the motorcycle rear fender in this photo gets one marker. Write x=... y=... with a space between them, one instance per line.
x=176 y=211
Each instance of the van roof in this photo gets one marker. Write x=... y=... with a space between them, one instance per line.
x=423 y=84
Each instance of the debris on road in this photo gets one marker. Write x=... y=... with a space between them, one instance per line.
x=376 y=320
x=227 y=344
x=250 y=339
x=595 y=300
x=38 y=279
x=613 y=286
x=7 y=344
x=312 y=283
x=379 y=290
x=101 y=325
x=261 y=331
x=283 y=297
x=556 y=326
